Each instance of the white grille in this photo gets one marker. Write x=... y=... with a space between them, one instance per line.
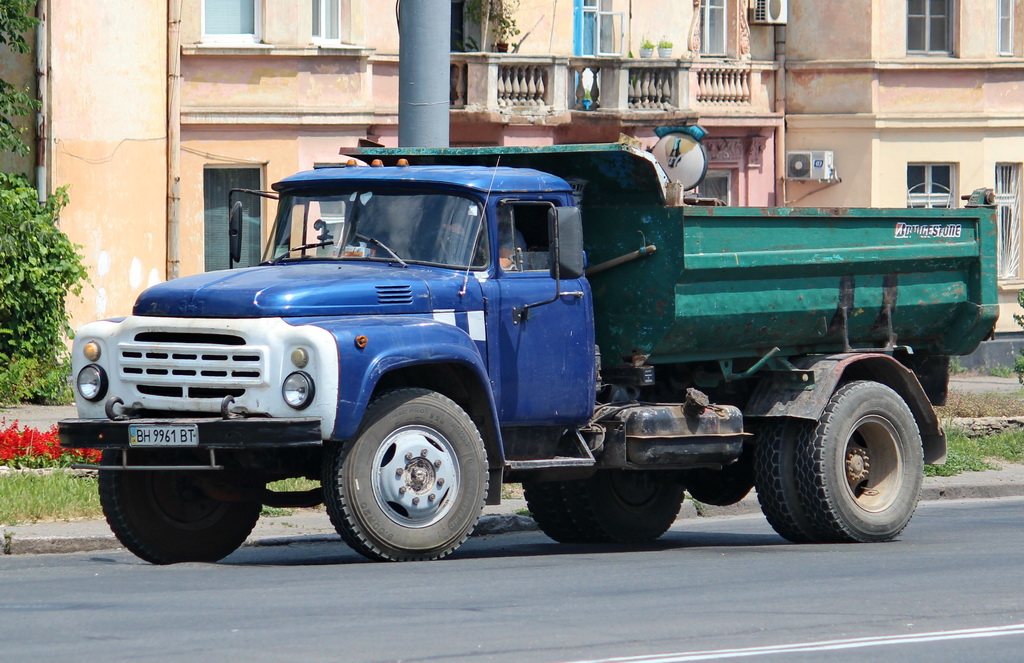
x=190 y=370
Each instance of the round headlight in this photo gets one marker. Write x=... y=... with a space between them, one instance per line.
x=92 y=383
x=91 y=351
x=298 y=390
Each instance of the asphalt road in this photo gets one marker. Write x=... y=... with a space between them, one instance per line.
x=708 y=585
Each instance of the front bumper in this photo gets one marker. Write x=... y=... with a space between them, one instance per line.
x=235 y=433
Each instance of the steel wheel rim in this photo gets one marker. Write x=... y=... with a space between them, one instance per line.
x=415 y=476
x=871 y=463
x=180 y=501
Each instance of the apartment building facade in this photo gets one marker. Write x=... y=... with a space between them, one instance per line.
x=153 y=114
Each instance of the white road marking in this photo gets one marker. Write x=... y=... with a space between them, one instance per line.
x=824 y=645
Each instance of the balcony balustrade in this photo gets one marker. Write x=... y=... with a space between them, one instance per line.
x=517 y=85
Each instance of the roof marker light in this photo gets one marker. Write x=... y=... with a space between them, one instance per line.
x=403 y=162
x=376 y=163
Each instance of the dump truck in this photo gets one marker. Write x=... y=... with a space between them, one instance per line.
x=431 y=325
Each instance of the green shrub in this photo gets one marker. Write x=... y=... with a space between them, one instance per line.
x=39 y=269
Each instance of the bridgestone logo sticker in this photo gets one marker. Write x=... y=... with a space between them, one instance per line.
x=908 y=230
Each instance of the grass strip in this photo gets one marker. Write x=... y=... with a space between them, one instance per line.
x=29 y=497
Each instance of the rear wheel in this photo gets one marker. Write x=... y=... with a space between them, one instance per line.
x=860 y=473
x=164 y=517
x=623 y=506
x=779 y=441
x=722 y=487
x=547 y=505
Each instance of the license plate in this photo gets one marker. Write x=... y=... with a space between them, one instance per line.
x=169 y=435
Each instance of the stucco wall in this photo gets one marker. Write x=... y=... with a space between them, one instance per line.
x=108 y=129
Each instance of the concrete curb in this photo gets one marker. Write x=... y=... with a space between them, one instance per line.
x=1008 y=482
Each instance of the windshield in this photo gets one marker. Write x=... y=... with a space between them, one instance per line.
x=360 y=224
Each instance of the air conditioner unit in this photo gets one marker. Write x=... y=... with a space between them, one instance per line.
x=769 y=12
x=810 y=165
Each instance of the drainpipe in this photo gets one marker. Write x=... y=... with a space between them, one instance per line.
x=780 y=107
x=424 y=57
x=42 y=64
x=173 y=137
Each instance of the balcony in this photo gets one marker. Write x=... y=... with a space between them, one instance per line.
x=539 y=86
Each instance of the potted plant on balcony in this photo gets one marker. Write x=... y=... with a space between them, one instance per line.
x=495 y=18
x=646 y=47
x=664 y=48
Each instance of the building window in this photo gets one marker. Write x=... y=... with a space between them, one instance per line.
x=217 y=183
x=717 y=184
x=928 y=26
x=326 y=20
x=929 y=185
x=1006 y=27
x=1008 y=200
x=230 y=21
x=712 y=27
x=598 y=30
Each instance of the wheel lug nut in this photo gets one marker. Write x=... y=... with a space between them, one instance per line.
x=415 y=500
x=432 y=497
x=401 y=490
x=437 y=463
x=440 y=482
x=424 y=453
x=408 y=456
x=398 y=472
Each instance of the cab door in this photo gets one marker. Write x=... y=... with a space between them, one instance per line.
x=544 y=358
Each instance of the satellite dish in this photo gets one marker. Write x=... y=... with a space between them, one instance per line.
x=683 y=158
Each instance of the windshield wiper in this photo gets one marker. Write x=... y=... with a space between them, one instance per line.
x=374 y=240
x=303 y=247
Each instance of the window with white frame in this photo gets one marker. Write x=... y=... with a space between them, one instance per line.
x=930 y=185
x=326 y=20
x=231 y=21
x=1006 y=27
x=217 y=184
x=929 y=26
x=1008 y=200
x=600 y=31
x=712 y=27
x=717 y=184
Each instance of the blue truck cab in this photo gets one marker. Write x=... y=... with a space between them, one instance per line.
x=433 y=285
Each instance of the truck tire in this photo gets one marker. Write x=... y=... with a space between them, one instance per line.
x=623 y=506
x=163 y=517
x=547 y=505
x=861 y=471
x=722 y=487
x=779 y=441
x=411 y=484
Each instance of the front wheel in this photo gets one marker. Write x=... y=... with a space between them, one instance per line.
x=860 y=473
x=412 y=483
x=165 y=517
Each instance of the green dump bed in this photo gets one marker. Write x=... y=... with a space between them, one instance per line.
x=737 y=282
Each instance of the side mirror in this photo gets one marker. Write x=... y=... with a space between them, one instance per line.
x=235 y=233
x=565 y=228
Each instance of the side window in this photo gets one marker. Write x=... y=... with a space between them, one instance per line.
x=930 y=185
x=523 y=236
x=929 y=27
x=326 y=21
x=712 y=27
x=1008 y=198
x=231 y=21
x=217 y=182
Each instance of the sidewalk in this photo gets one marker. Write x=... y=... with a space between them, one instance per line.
x=311 y=525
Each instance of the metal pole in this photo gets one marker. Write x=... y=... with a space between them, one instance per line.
x=424 y=55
